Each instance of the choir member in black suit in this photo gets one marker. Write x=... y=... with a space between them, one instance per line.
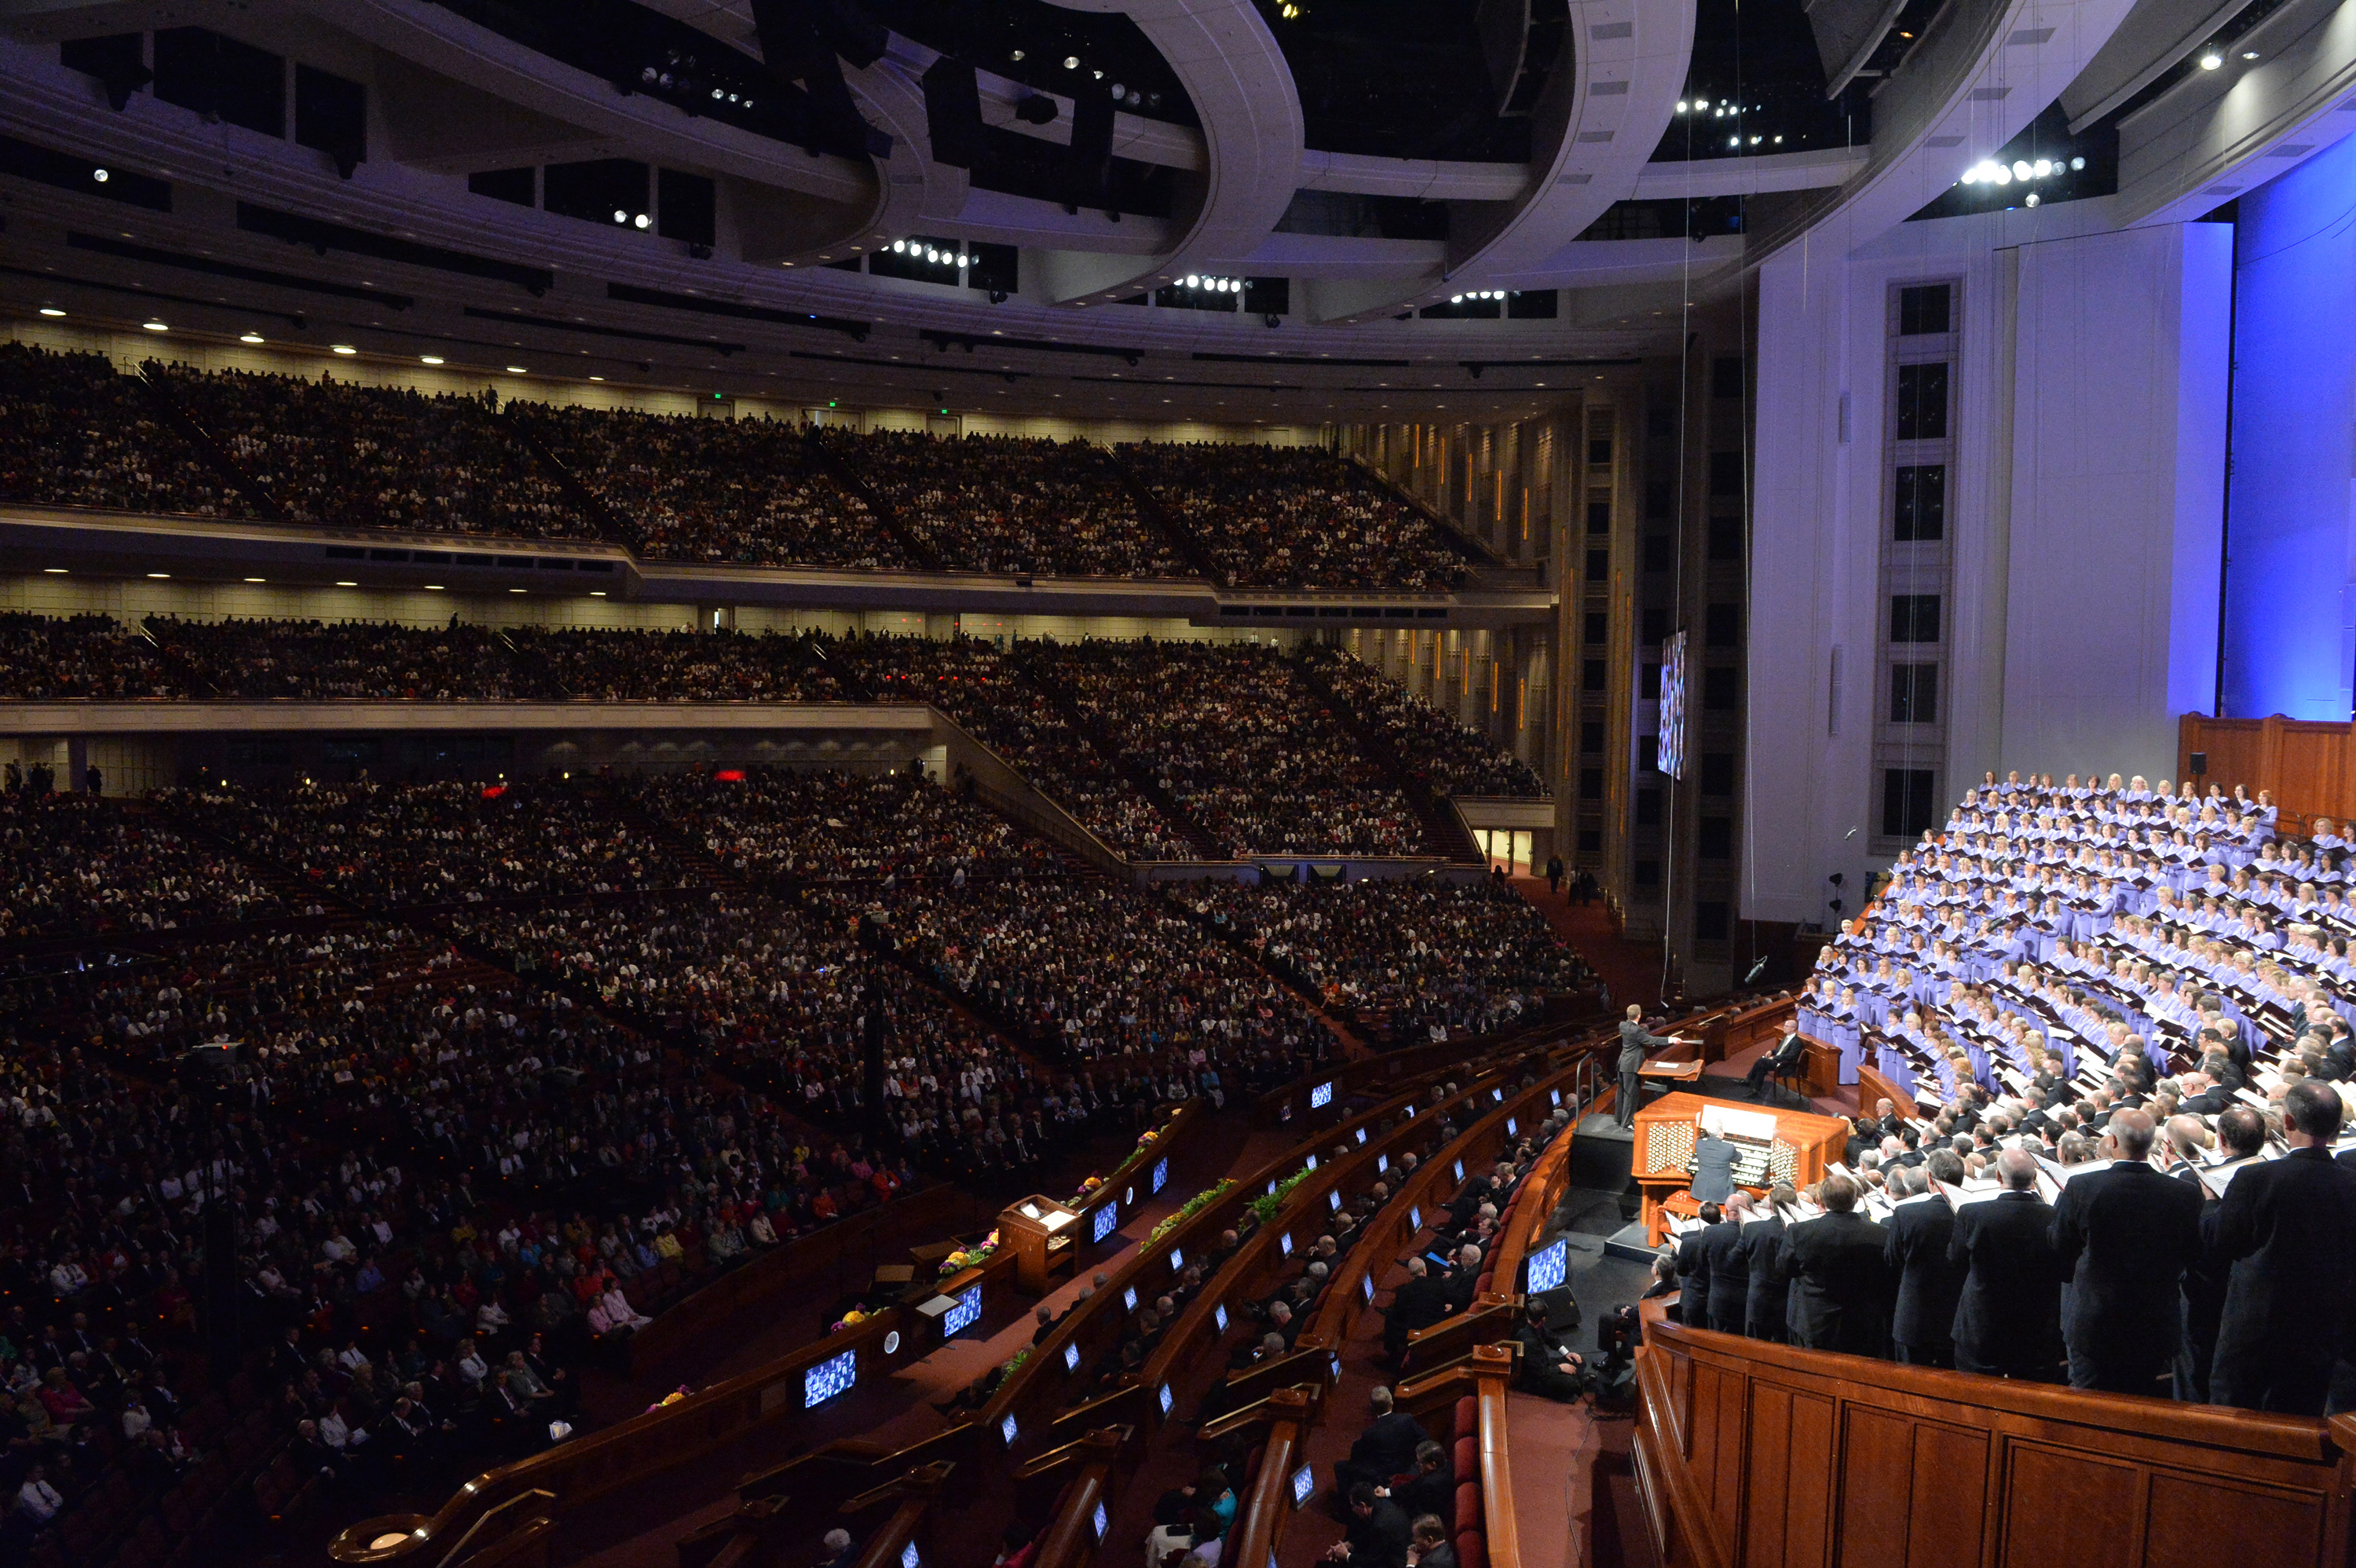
x=1729 y=1269
x=1767 y=1314
x=2007 y=1320
x=1839 y=1280
x=2288 y=1227
x=1929 y=1282
x=2123 y=1238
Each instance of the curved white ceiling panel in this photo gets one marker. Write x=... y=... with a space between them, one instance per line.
x=1243 y=93
x=2220 y=132
x=1984 y=70
x=1592 y=131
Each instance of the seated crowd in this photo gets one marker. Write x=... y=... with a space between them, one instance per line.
x=813 y=826
x=1002 y=503
x=1414 y=957
x=749 y=492
x=74 y=432
x=77 y=865
x=984 y=690
x=2114 y=1003
x=45 y=659
x=1273 y=516
x=340 y=452
x=746 y=491
x=1453 y=757
x=1099 y=973
x=1237 y=738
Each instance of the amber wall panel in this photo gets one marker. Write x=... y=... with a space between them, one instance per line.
x=2199 y=1522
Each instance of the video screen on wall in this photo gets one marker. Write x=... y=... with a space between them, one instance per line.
x=1672 y=760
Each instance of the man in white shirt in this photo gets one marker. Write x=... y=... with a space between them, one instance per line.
x=37 y=1498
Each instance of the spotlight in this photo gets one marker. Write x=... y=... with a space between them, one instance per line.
x=2032 y=198
x=250 y=337
x=1682 y=106
x=2020 y=168
x=154 y=327
x=98 y=175
x=1071 y=62
x=2042 y=168
x=620 y=217
x=2077 y=164
x=2211 y=60
x=2001 y=175
x=899 y=247
x=429 y=359
x=2249 y=54
x=517 y=370
x=639 y=221
x=342 y=348
x=52 y=311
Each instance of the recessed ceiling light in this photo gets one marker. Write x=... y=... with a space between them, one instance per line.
x=160 y=574
x=518 y=370
x=250 y=337
x=515 y=590
x=2211 y=60
x=596 y=594
x=343 y=349
x=432 y=588
x=343 y=584
x=429 y=359
x=596 y=378
x=154 y=327
x=52 y=310
x=254 y=580
x=2249 y=54
x=55 y=571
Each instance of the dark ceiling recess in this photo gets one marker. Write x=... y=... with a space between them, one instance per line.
x=687 y=208
x=68 y=172
x=521 y=186
x=1083 y=174
x=1756 y=87
x=1030 y=41
x=1668 y=217
x=1396 y=79
x=642 y=51
x=119 y=62
x=222 y=79
x=331 y=115
x=630 y=293
x=124 y=250
x=323 y=237
x=616 y=192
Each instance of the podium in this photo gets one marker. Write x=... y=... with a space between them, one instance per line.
x=1044 y=1233
x=1802 y=1145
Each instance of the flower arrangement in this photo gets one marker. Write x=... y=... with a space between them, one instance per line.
x=970 y=1258
x=1269 y=1205
x=1192 y=1207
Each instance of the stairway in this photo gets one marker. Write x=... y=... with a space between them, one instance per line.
x=851 y=479
x=1161 y=520
x=229 y=470
x=606 y=522
x=1139 y=776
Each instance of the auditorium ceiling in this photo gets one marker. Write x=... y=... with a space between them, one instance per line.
x=1233 y=209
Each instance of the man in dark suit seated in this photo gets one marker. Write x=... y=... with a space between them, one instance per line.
x=1923 y=1319
x=2288 y=1227
x=2008 y=1319
x=1378 y=1532
x=1385 y=1449
x=1767 y=1314
x=1727 y=1268
x=1839 y=1280
x=1775 y=1063
x=2123 y=1238
x=1421 y=1302
x=1693 y=1274
x=1547 y=1367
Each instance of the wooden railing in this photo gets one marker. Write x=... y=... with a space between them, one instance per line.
x=1752 y=1453
x=646 y=1446
x=1266 y=1508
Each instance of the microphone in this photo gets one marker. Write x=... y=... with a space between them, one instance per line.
x=1756 y=970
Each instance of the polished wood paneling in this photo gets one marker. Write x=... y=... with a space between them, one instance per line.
x=2309 y=766
x=1758 y=1455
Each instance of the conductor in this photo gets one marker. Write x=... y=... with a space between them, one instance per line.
x=1636 y=1043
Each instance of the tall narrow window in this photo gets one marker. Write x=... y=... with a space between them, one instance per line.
x=1922 y=401
x=1920 y=502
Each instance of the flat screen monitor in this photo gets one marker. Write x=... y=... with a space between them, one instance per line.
x=1670 y=757
x=1106 y=1218
x=830 y=1377
x=1322 y=1096
x=965 y=1313
x=1549 y=1266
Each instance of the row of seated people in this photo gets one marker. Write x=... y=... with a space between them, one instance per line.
x=1270 y=516
x=1235 y=736
x=2114 y=1264
x=350 y=456
x=404 y=1319
x=1235 y=732
x=783 y=996
x=772 y=824
x=398 y=846
x=1451 y=756
x=313 y=661
x=684 y=487
x=75 y=433
x=1427 y=958
x=1010 y=503
x=77 y=865
x=1098 y=972
x=984 y=689
x=743 y=492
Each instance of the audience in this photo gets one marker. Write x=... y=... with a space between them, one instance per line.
x=1453 y=757
x=75 y=432
x=1001 y=503
x=1293 y=516
x=76 y=865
